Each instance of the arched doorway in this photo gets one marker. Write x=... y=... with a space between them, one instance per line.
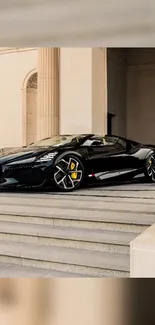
x=31 y=108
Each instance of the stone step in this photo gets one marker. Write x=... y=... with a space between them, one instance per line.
x=138 y=191
x=107 y=196
x=129 y=190
x=87 y=195
x=125 y=186
x=122 y=205
x=65 y=259
x=56 y=209
x=103 y=240
x=17 y=271
x=69 y=217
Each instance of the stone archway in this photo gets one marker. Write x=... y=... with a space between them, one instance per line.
x=31 y=108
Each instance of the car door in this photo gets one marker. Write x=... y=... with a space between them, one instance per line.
x=109 y=157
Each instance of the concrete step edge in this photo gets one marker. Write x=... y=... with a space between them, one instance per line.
x=14 y=270
x=68 y=233
x=103 y=260
x=106 y=217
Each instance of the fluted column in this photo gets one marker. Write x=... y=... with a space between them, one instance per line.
x=48 y=92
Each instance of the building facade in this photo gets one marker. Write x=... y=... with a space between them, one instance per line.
x=46 y=91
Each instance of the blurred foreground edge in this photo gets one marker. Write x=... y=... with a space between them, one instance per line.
x=71 y=23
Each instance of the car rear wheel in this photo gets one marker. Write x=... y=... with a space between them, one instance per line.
x=68 y=173
x=150 y=168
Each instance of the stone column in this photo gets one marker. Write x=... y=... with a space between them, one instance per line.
x=48 y=92
x=99 y=90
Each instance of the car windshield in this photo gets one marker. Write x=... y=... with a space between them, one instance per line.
x=100 y=139
x=58 y=140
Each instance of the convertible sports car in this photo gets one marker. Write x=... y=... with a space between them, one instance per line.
x=68 y=161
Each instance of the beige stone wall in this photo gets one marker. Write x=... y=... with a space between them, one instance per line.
x=141 y=95
x=82 y=95
x=84 y=81
x=83 y=102
x=15 y=64
x=75 y=90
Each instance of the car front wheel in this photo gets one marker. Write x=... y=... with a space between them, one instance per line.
x=68 y=173
x=150 y=168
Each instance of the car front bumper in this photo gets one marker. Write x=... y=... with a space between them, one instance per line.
x=22 y=175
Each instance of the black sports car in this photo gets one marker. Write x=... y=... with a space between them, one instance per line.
x=67 y=161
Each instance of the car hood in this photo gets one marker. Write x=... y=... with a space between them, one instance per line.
x=27 y=154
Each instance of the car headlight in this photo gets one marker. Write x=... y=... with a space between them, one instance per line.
x=47 y=157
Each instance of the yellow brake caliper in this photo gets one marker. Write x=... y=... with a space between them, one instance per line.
x=150 y=162
x=74 y=174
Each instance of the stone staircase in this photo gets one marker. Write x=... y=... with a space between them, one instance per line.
x=85 y=233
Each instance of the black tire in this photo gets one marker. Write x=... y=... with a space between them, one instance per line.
x=150 y=168
x=68 y=173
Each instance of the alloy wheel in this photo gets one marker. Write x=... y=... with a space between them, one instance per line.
x=150 y=167
x=68 y=173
